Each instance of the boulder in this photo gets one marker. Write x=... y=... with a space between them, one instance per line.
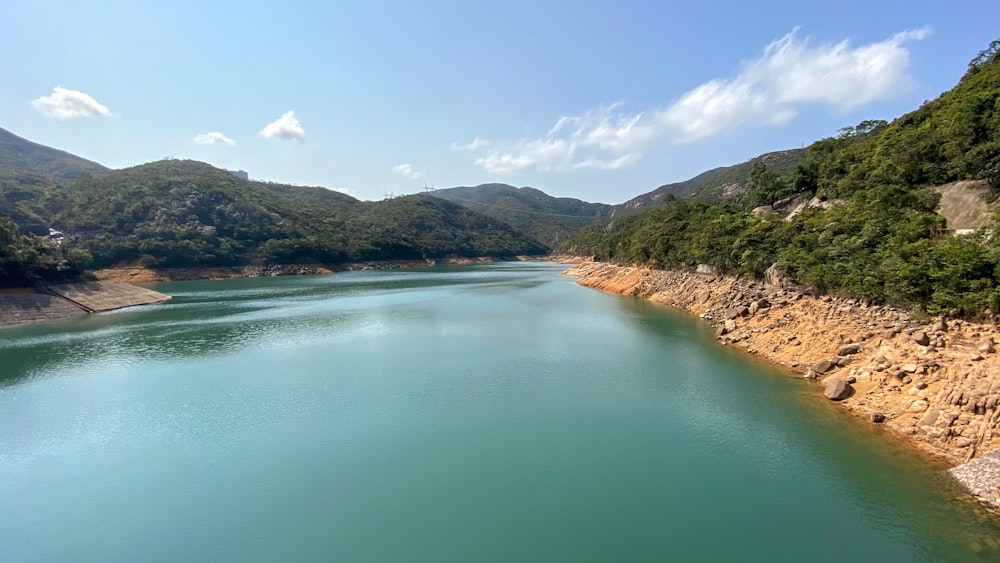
x=777 y=278
x=921 y=338
x=878 y=418
x=837 y=389
x=848 y=349
x=824 y=366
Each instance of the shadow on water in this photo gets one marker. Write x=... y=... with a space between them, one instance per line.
x=757 y=398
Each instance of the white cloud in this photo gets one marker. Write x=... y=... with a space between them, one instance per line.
x=286 y=127
x=69 y=104
x=791 y=73
x=406 y=171
x=597 y=139
x=476 y=144
x=539 y=155
x=213 y=138
x=614 y=164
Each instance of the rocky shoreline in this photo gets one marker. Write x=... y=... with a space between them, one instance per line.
x=142 y=274
x=934 y=383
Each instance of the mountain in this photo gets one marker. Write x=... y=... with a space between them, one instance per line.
x=724 y=182
x=548 y=219
x=182 y=213
x=28 y=170
x=17 y=154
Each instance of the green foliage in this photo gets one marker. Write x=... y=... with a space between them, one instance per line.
x=176 y=213
x=878 y=238
x=27 y=260
x=720 y=183
x=545 y=218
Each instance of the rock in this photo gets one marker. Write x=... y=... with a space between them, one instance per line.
x=940 y=326
x=987 y=347
x=921 y=385
x=930 y=418
x=921 y=338
x=721 y=332
x=837 y=389
x=763 y=211
x=824 y=366
x=852 y=380
x=976 y=358
x=706 y=270
x=777 y=278
x=907 y=380
x=918 y=406
x=849 y=349
x=878 y=418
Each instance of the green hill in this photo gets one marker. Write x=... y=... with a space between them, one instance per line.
x=877 y=236
x=17 y=154
x=182 y=213
x=725 y=182
x=548 y=219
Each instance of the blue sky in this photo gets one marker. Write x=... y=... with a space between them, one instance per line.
x=596 y=100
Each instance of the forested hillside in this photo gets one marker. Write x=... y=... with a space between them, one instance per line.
x=876 y=236
x=177 y=213
x=725 y=182
x=543 y=217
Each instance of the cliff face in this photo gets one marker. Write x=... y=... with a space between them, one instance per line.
x=934 y=383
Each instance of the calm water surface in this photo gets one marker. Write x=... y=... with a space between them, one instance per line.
x=490 y=413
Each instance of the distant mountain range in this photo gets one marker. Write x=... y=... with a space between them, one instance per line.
x=533 y=212
x=554 y=220
x=181 y=213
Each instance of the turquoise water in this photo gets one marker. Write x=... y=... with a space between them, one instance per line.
x=487 y=413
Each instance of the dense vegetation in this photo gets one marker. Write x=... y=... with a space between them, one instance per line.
x=717 y=184
x=28 y=260
x=176 y=213
x=877 y=237
x=548 y=219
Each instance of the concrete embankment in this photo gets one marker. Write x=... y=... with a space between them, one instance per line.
x=71 y=299
x=935 y=383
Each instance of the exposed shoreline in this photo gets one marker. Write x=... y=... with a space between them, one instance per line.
x=22 y=306
x=116 y=287
x=142 y=274
x=933 y=383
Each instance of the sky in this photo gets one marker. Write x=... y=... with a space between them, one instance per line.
x=600 y=101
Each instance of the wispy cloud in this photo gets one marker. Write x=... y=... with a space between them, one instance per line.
x=598 y=139
x=213 y=138
x=789 y=74
x=771 y=89
x=286 y=127
x=407 y=171
x=476 y=144
x=69 y=104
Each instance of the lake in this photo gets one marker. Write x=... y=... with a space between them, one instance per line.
x=481 y=413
